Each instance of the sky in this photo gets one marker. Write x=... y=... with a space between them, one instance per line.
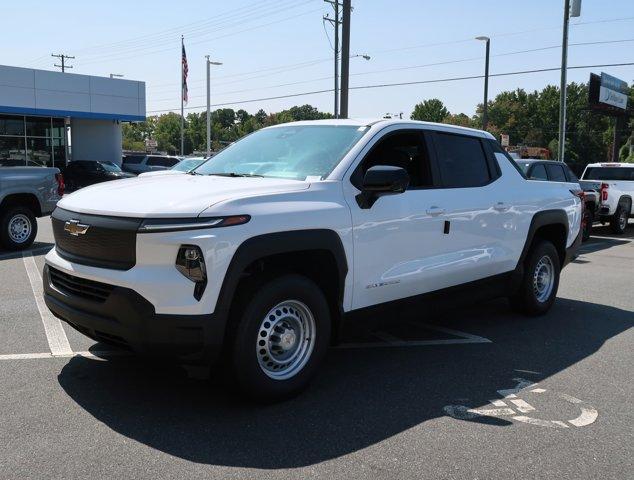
x=283 y=47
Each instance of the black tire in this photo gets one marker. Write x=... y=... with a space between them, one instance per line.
x=18 y=228
x=618 y=222
x=527 y=300
x=249 y=323
x=588 y=218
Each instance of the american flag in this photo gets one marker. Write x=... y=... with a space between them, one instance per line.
x=185 y=71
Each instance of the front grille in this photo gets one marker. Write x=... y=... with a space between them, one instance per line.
x=79 y=287
x=108 y=242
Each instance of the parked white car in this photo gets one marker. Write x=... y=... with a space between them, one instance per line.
x=615 y=184
x=262 y=254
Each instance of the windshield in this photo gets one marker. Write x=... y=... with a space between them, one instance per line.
x=609 y=173
x=188 y=164
x=110 y=167
x=294 y=152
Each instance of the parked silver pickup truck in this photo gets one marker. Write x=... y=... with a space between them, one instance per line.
x=26 y=193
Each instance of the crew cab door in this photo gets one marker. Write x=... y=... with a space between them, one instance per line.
x=398 y=240
x=479 y=208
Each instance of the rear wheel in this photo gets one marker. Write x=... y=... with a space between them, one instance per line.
x=618 y=223
x=18 y=228
x=588 y=220
x=540 y=282
x=280 y=337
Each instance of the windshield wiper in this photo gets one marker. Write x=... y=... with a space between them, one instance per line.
x=234 y=174
x=192 y=172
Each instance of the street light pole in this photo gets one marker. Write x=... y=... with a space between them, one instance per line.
x=209 y=63
x=561 y=148
x=485 y=106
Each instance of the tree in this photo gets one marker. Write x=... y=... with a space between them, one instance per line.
x=432 y=110
x=168 y=132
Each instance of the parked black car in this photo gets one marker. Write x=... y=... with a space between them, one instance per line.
x=81 y=173
x=147 y=163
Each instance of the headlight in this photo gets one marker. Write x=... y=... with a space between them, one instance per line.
x=191 y=263
x=151 y=225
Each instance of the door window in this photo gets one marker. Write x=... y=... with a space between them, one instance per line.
x=160 y=162
x=556 y=173
x=461 y=160
x=405 y=149
x=539 y=172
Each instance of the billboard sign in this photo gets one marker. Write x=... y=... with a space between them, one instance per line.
x=613 y=91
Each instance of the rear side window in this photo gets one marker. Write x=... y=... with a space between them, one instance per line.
x=538 y=172
x=556 y=173
x=461 y=160
x=571 y=175
x=130 y=159
x=160 y=162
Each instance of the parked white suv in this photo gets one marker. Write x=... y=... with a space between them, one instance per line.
x=615 y=184
x=259 y=256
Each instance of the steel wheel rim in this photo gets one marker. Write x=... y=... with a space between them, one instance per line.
x=19 y=228
x=543 y=279
x=286 y=339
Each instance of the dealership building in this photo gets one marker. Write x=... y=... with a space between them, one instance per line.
x=49 y=118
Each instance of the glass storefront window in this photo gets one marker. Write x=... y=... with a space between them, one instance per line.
x=34 y=141
x=12 y=152
x=11 y=125
x=58 y=127
x=39 y=152
x=38 y=126
x=59 y=152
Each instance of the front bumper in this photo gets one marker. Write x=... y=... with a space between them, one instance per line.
x=127 y=319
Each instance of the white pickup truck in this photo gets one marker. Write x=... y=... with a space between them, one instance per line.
x=615 y=184
x=258 y=256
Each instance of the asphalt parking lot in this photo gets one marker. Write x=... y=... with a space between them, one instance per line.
x=478 y=392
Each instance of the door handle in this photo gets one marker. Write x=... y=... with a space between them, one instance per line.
x=435 y=211
x=501 y=207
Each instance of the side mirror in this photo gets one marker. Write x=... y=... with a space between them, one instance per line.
x=381 y=180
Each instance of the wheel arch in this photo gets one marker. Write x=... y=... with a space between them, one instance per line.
x=317 y=253
x=28 y=200
x=549 y=225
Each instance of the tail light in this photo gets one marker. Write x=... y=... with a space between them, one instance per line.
x=604 y=192
x=61 y=186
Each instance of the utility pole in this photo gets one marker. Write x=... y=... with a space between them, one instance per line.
x=345 y=58
x=576 y=11
x=63 y=58
x=335 y=23
x=485 y=106
x=209 y=63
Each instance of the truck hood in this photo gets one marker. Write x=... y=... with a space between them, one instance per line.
x=170 y=195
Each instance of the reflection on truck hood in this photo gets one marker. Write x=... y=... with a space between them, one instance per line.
x=170 y=195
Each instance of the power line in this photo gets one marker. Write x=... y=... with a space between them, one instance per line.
x=448 y=62
x=399 y=84
x=237 y=32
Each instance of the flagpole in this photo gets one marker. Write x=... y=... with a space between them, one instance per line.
x=182 y=99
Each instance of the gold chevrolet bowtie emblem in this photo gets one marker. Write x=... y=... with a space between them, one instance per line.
x=75 y=228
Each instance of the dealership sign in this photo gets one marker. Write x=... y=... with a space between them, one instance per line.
x=613 y=91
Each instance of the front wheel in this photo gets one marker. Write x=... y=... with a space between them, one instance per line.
x=18 y=228
x=280 y=337
x=540 y=282
x=618 y=223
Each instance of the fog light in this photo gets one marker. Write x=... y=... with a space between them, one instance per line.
x=191 y=263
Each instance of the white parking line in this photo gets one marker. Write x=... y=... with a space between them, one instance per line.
x=55 y=335
x=35 y=356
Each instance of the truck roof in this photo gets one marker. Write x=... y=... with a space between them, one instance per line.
x=611 y=164
x=368 y=122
